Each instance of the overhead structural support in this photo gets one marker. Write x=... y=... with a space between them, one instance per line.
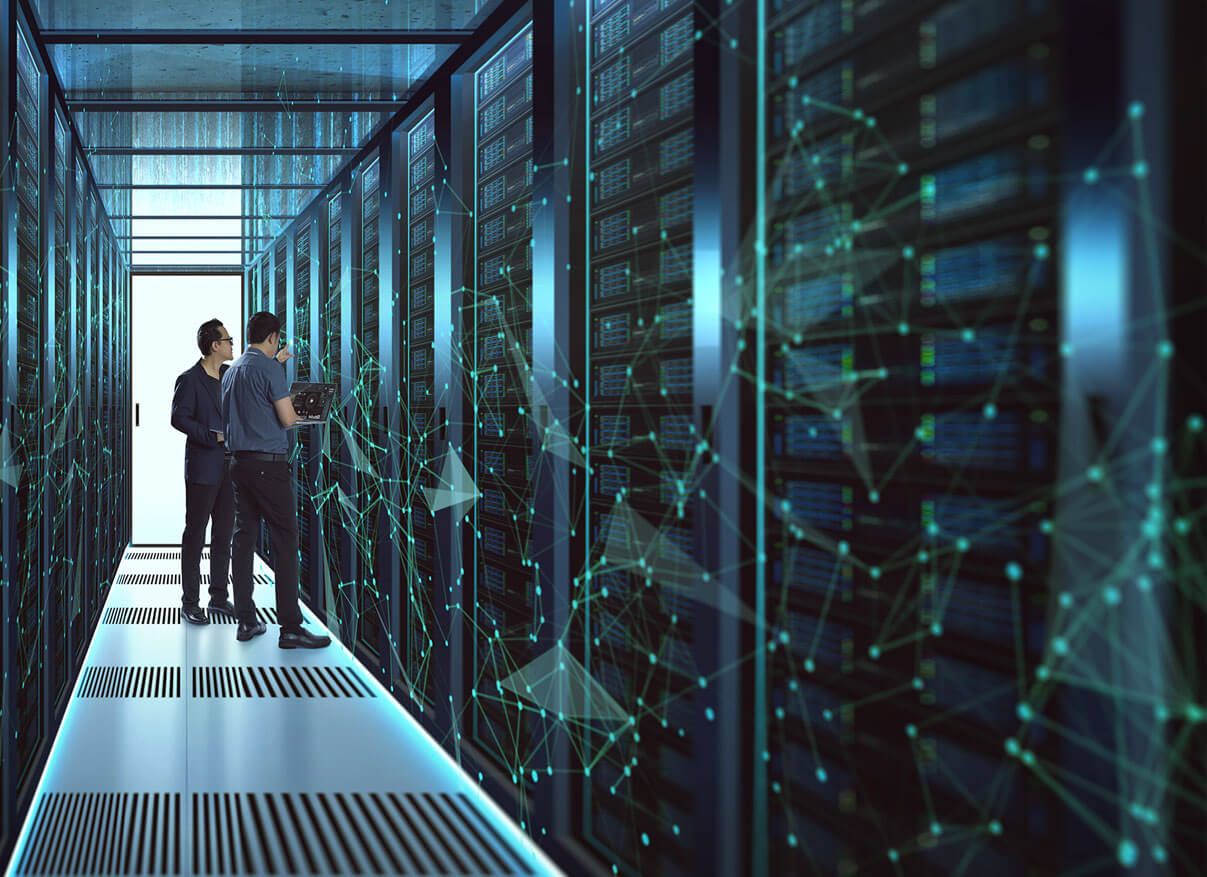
x=222 y=150
x=193 y=237
x=184 y=217
x=262 y=105
x=255 y=37
x=207 y=186
x=187 y=268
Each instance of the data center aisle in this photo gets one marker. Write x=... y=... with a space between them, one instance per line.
x=184 y=751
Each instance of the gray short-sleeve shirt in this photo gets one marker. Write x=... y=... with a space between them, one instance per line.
x=249 y=388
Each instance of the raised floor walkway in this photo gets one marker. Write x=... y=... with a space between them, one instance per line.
x=183 y=751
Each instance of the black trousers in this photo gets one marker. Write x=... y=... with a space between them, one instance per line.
x=264 y=492
x=205 y=503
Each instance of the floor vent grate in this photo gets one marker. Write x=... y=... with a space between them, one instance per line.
x=164 y=578
x=162 y=555
x=288 y=681
x=130 y=682
x=268 y=616
x=171 y=615
x=104 y=833
x=347 y=834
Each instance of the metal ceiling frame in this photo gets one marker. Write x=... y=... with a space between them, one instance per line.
x=464 y=41
x=207 y=186
x=222 y=150
x=192 y=237
x=255 y=105
x=135 y=270
x=451 y=66
x=191 y=217
x=255 y=37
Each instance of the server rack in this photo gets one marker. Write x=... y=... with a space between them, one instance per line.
x=85 y=547
x=645 y=633
x=60 y=475
x=497 y=342
x=334 y=563
x=370 y=610
x=57 y=465
x=302 y=335
x=947 y=113
x=25 y=427
x=426 y=623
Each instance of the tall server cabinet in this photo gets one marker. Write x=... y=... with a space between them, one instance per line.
x=426 y=615
x=83 y=497
x=643 y=625
x=304 y=461
x=369 y=618
x=332 y=338
x=497 y=346
x=60 y=556
x=910 y=223
x=65 y=451
x=25 y=425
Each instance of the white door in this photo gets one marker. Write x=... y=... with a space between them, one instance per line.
x=166 y=311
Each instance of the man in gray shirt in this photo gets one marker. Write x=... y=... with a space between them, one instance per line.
x=256 y=412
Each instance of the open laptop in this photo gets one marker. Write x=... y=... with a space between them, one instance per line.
x=312 y=402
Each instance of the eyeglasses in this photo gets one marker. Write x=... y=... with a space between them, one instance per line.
x=224 y=340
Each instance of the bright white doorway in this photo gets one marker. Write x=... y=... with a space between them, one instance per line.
x=165 y=313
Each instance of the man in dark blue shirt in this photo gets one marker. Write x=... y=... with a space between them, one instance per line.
x=208 y=495
x=256 y=411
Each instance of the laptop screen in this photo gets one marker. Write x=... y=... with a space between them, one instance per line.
x=312 y=402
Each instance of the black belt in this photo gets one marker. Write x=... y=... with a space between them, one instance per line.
x=257 y=455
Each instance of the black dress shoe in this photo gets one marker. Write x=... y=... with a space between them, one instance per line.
x=300 y=638
x=226 y=607
x=249 y=629
x=194 y=615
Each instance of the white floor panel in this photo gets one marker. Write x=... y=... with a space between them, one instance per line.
x=111 y=744
x=206 y=744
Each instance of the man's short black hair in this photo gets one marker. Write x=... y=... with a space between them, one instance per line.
x=207 y=335
x=261 y=325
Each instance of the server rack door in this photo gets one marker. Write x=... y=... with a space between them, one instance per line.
x=642 y=436
x=280 y=274
x=73 y=414
x=331 y=338
x=425 y=625
x=267 y=276
x=96 y=440
x=369 y=616
x=301 y=334
x=58 y=456
x=105 y=534
x=26 y=430
x=924 y=134
x=82 y=497
x=264 y=302
x=497 y=344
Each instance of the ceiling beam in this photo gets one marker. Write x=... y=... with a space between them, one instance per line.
x=262 y=105
x=222 y=150
x=193 y=237
x=206 y=186
x=255 y=37
x=188 y=269
x=189 y=218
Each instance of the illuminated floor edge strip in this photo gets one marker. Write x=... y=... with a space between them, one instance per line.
x=197 y=745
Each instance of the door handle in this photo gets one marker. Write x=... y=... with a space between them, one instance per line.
x=136 y=414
